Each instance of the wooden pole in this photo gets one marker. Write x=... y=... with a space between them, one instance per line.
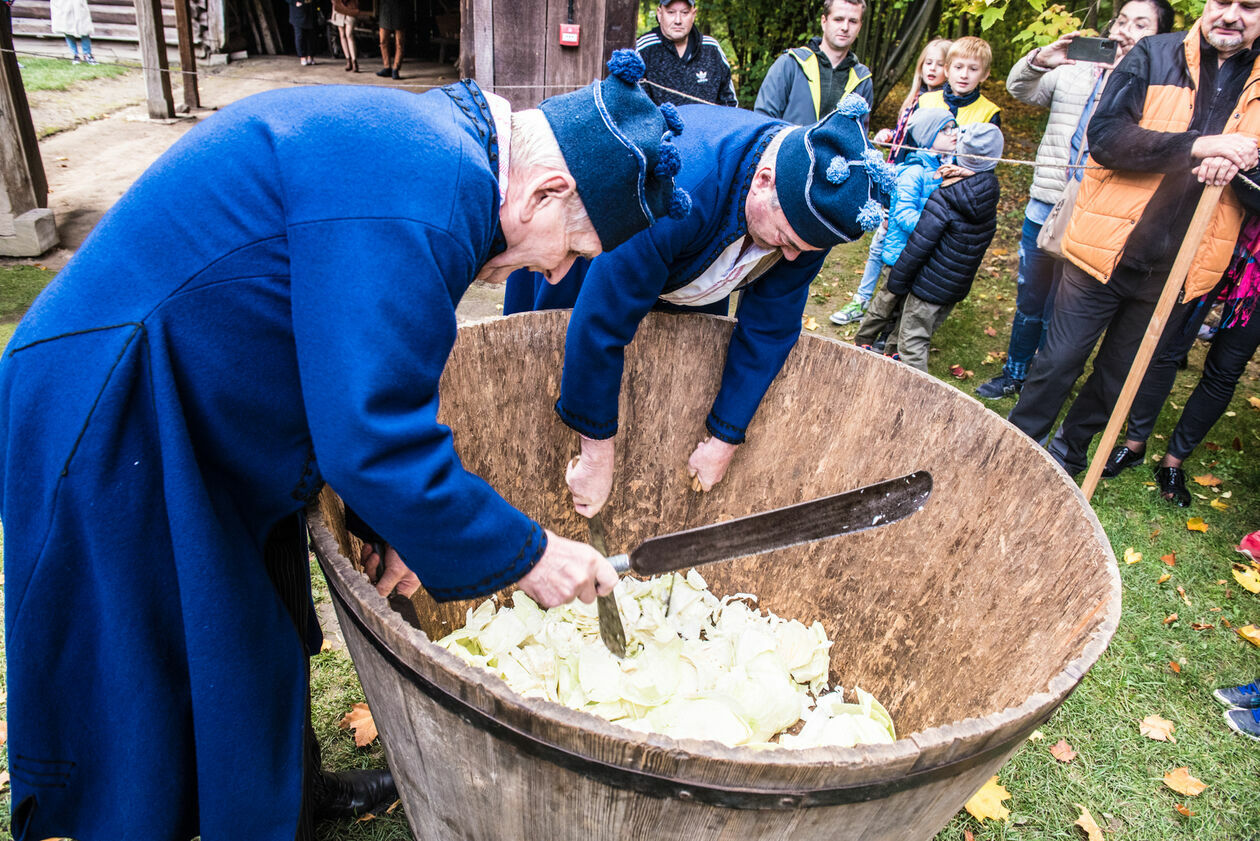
x=187 y=60
x=1167 y=299
x=152 y=38
x=27 y=227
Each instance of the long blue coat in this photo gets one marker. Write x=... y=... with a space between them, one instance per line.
x=270 y=306
x=720 y=149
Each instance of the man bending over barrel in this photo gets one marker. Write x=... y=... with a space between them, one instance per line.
x=770 y=200
x=187 y=384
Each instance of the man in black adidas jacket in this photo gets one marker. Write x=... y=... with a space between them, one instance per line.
x=684 y=66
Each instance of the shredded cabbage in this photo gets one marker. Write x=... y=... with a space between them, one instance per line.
x=712 y=668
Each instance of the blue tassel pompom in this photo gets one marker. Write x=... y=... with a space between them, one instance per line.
x=670 y=161
x=679 y=204
x=853 y=105
x=673 y=120
x=838 y=170
x=881 y=172
x=626 y=65
x=871 y=216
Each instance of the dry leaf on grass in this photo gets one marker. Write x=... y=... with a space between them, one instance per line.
x=987 y=802
x=1159 y=729
x=1175 y=666
x=365 y=818
x=960 y=373
x=990 y=332
x=1250 y=633
x=811 y=323
x=1254 y=401
x=4 y=732
x=360 y=718
x=1062 y=751
x=1036 y=736
x=1183 y=810
x=1163 y=578
x=1196 y=524
x=1131 y=555
x=1218 y=505
x=967 y=836
x=1170 y=559
x=1086 y=822
x=1248 y=577
x=1182 y=592
x=1180 y=781
x=4 y=780
x=1169 y=619
x=1201 y=626
x=1207 y=480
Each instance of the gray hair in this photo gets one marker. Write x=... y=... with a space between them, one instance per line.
x=534 y=147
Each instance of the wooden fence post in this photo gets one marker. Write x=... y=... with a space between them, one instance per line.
x=187 y=59
x=152 y=38
x=27 y=227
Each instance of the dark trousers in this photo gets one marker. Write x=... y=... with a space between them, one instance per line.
x=1034 y=301
x=1227 y=359
x=304 y=40
x=1085 y=309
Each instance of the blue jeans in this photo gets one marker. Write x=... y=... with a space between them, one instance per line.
x=1034 y=301
x=74 y=44
x=874 y=265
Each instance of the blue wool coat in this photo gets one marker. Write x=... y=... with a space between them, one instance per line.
x=270 y=306
x=720 y=149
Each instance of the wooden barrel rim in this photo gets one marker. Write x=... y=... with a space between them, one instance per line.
x=659 y=785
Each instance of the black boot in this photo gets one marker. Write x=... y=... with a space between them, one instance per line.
x=351 y=794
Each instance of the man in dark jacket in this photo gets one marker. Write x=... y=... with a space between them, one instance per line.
x=805 y=83
x=684 y=65
x=942 y=256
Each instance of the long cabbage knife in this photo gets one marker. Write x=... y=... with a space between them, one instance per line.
x=611 y=631
x=829 y=516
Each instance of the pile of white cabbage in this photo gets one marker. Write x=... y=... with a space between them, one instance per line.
x=711 y=669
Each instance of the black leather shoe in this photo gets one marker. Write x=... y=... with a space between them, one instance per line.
x=1121 y=459
x=351 y=794
x=1172 y=485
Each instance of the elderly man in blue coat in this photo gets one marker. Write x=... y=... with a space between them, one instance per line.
x=260 y=313
x=768 y=202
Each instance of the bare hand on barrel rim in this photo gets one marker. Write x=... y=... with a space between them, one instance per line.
x=567 y=570
x=708 y=463
x=396 y=572
x=589 y=475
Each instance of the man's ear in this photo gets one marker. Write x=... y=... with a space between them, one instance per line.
x=544 y=188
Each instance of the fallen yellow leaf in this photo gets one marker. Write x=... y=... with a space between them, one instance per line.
x=360 y=718
x=1036 y=736
x=1196 y=524
x=1207 y=480
x=1086 y=822
x=1250 y=633
x=1180 y=781
x=1218 y=505
x=4 y=780
x=1254 y=401
x=1169 y=619
x=1159 y=729
x=1183 y=810
x=1131 y=556
x=987 y=802
x=1184 y=597
x=811 y=323
x=1247 y=577
x=1163 y=578
x=326 y=645
x=1062 y=751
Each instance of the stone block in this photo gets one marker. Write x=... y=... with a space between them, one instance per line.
x=34 y=232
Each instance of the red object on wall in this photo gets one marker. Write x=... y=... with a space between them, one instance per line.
x=569 y=34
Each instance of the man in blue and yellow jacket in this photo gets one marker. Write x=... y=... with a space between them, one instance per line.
x=806 y=83
x=769 y=201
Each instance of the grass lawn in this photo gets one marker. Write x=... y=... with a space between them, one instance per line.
x=58 y=74
x=1153 y=666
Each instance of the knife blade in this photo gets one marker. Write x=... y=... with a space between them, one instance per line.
x=611 y=631
x=829 y=516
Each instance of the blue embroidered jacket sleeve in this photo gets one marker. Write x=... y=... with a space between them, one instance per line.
x=370 y=367
x=769 y=323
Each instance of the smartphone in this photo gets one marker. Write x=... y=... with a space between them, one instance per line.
x=1102 y=50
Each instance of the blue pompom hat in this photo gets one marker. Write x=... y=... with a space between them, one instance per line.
x=832 y=184
x=618 y=146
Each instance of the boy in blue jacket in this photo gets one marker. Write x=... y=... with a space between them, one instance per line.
x=940 y=260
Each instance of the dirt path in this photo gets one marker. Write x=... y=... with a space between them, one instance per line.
x=98 y=138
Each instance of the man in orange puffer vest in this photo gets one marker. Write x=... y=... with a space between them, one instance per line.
x=1181 y=110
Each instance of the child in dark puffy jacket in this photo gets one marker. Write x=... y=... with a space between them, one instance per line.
x=943 y=254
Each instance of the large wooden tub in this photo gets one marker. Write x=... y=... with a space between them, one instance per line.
x=971 y=620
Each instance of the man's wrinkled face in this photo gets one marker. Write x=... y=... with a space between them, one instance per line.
x=1231 y=26
x=676 y=19
x=841 y=25
x=535 y=222
x=768 y=227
